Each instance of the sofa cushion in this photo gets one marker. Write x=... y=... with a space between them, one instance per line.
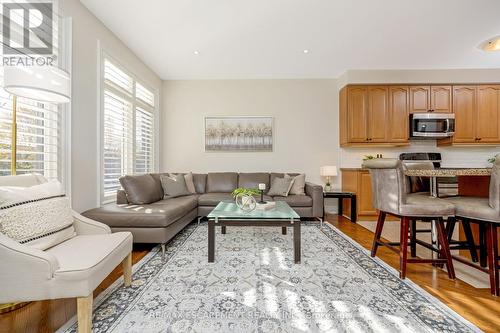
x=174 y=185
x=296 y=200
x=212 y=199
x=77 y=259
x=159 y=214
x=141 y=189
x=41 y=224
x=280 y=175
x=299 y=184
x=281 y=186
x=220 y=182
x=200 y=182
x=252 y=180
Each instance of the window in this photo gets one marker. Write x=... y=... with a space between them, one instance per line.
x=128 y=127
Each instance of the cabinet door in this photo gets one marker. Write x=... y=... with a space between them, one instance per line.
x=441 y=99
x=420 y=99
x=488 y=114
x=357 y=114
x=364 y=195
x=398 y=129
x=378 y=114
x=464 y=107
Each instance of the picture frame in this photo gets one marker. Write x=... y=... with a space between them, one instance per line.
x=239 y=134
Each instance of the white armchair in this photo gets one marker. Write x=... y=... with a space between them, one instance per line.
x=73 y=268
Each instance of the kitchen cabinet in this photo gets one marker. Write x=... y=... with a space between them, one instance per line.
x=464 y=102
x=379 y=115
x=398 y=126
x=488 y=114
x=420 y=99
x=357 y=113
x=431 y=99
x=359 y=181
x=477 y=115
x=373 y=116
x=367 y=113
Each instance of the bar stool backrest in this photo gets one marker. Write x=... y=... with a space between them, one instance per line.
x=495 y=186
x=388 y=184
x=417 y=184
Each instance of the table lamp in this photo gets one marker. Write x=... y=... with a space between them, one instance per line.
x=328 y=171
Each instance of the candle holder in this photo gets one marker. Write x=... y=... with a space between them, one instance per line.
x=262 y=197
x=262 y=187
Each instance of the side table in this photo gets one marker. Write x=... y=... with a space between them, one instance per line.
x=340 y=196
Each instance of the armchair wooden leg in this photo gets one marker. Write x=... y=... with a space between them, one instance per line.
x=84 y=310
x=378 y=232
x=413 y=240
x=127 y=270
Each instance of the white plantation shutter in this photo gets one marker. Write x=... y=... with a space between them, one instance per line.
x=128 y=128
x=144 y=134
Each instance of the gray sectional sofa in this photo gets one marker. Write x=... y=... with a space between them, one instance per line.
x=142 y=210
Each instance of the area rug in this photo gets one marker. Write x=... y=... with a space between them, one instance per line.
x=254 y=286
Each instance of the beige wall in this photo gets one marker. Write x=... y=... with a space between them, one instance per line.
x=305 y=124
x=87 y=31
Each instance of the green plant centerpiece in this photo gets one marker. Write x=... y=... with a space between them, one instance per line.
x=494 y=158
x=244 y=198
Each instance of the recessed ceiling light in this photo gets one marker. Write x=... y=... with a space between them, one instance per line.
x=306 y=51
x=196 y=52
x=491 y=45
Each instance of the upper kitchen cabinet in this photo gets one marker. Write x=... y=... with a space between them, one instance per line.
x=477 y=115
x=431 y=99
x=373 y=116
x=398 y=127
x=488 y=114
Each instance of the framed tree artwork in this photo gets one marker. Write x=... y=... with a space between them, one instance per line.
x=241 y=133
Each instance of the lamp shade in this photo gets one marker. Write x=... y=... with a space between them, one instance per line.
x=41 y=83
x=328 y=171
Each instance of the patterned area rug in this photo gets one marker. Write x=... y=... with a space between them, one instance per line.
x=254 y=286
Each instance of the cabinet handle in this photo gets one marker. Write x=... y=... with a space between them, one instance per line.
x=478 y=139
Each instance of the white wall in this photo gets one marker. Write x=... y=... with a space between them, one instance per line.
x=305 y=124
x=87 y=31
x=452 y=156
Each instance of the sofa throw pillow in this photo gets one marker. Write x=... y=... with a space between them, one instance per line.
x=174 y=186
x=141 y=189
x=280 y=186
x=299 y=184
x=11 y=195
x=40 y=223
x=188 y=177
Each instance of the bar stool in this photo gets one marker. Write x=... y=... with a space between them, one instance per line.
x=486 y=212
x=390 y=196
x=421 y=185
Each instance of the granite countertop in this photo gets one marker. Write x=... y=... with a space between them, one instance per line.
x=449 y=172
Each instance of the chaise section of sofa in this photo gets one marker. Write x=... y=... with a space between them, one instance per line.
x=152 y=219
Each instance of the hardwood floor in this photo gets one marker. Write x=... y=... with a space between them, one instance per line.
x=476 y=305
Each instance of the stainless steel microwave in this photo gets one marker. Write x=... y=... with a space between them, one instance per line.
x=432 y=125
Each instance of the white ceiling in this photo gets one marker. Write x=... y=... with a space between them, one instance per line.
x=246 y=39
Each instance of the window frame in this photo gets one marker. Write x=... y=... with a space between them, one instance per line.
x=135 y=102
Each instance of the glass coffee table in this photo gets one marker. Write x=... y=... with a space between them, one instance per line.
x=227 y=213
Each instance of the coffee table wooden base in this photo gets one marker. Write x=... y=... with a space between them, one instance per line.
x=223 y=223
